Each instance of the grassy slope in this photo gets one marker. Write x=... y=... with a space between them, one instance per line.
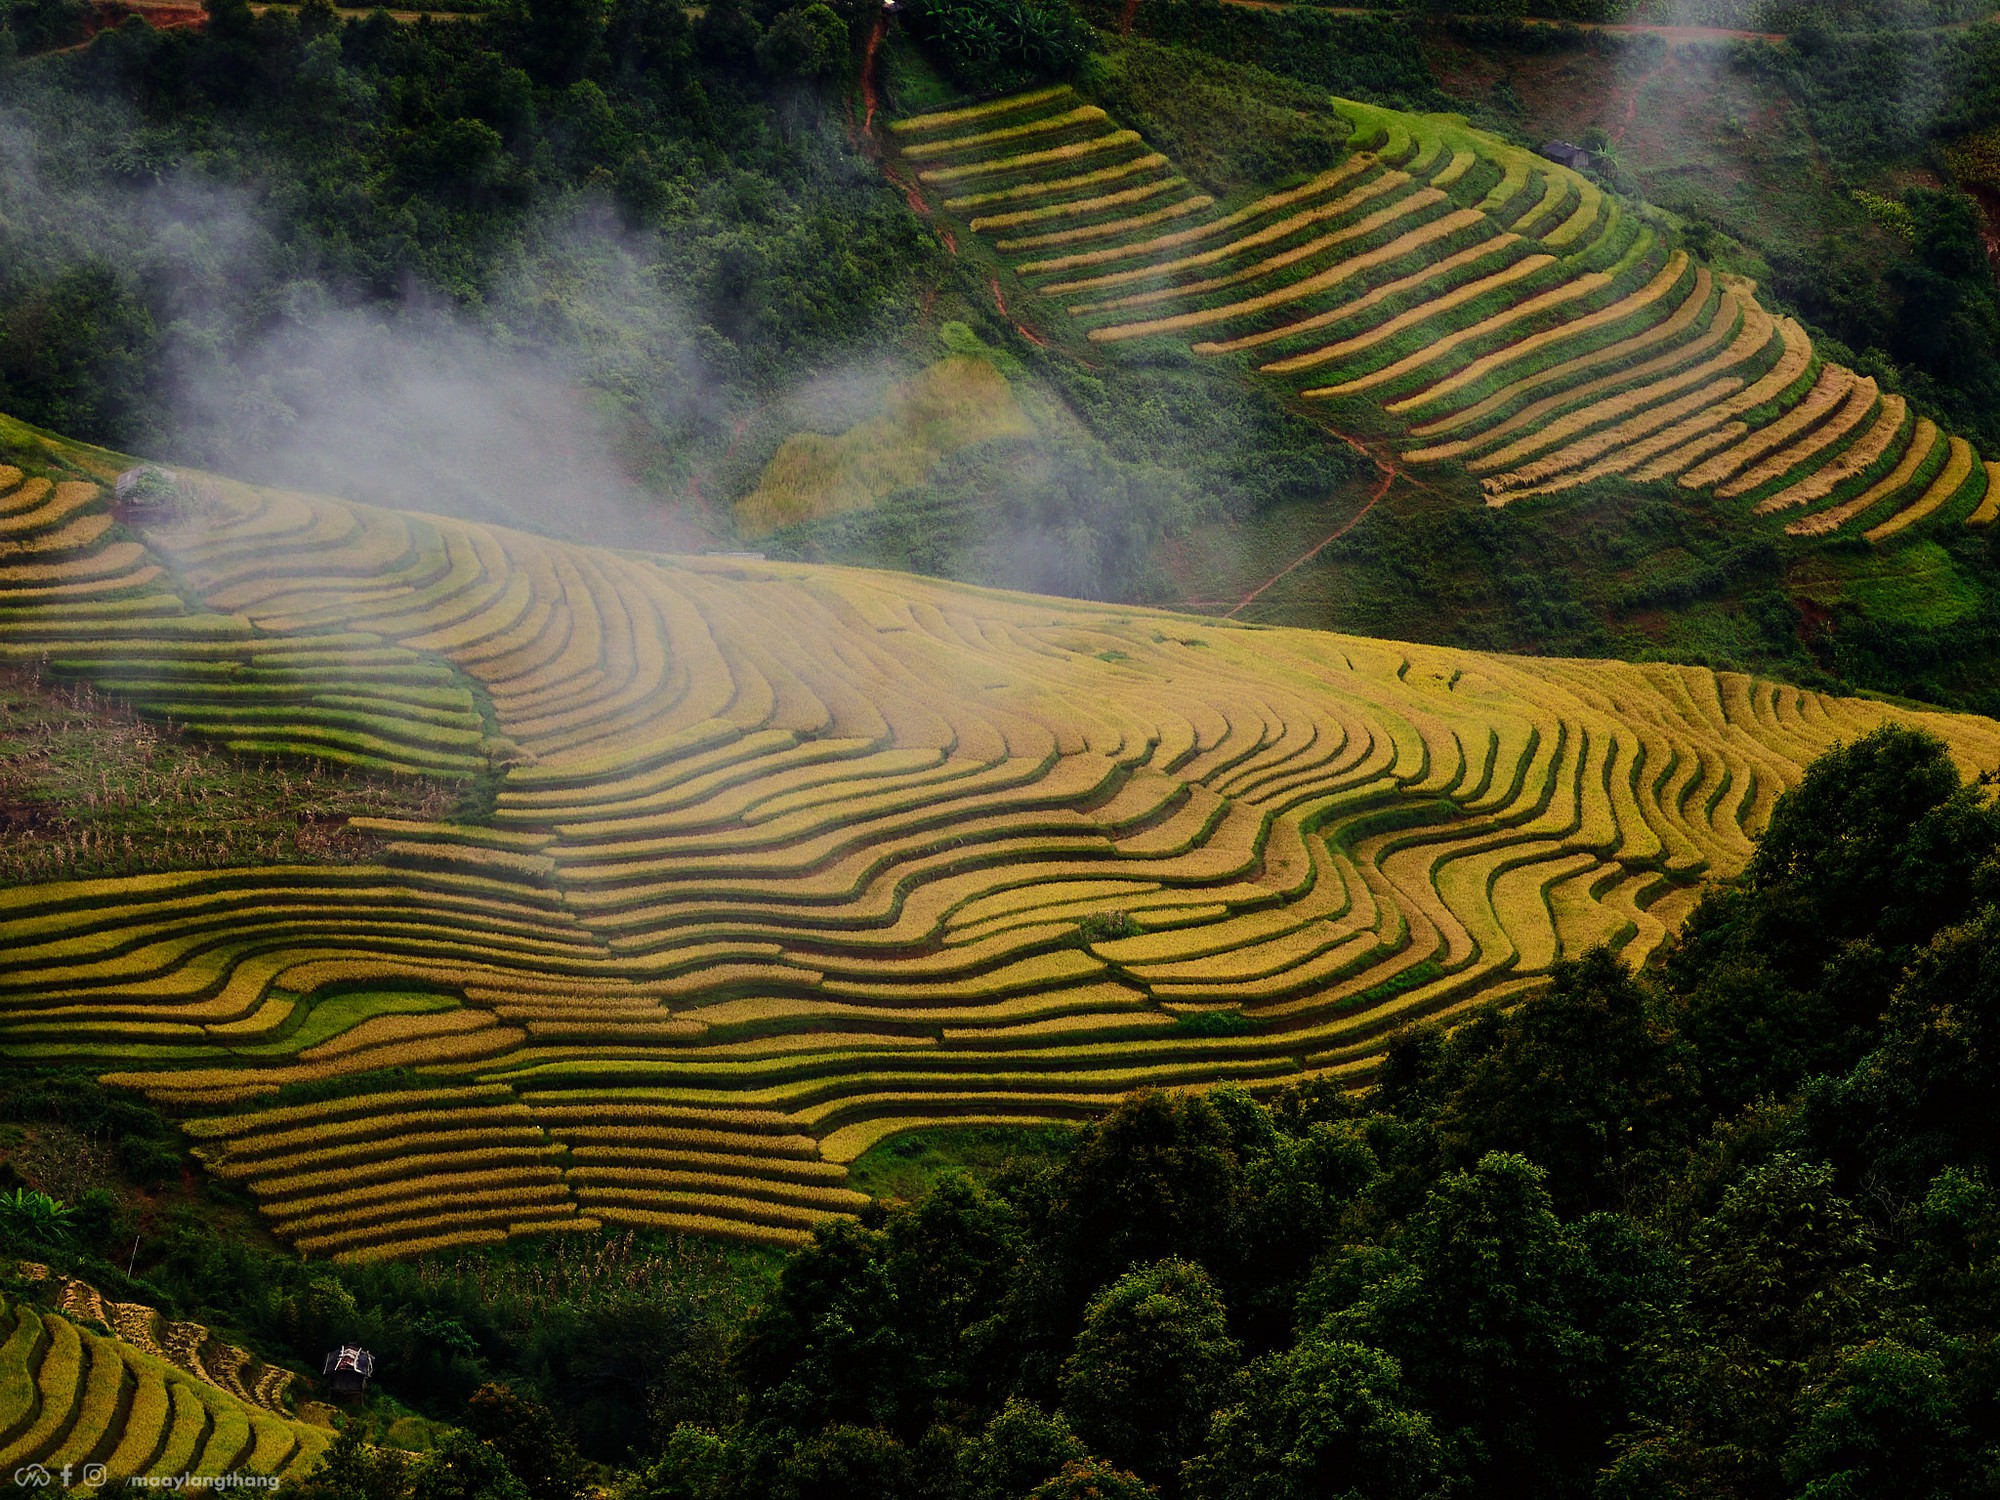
x=87 y=788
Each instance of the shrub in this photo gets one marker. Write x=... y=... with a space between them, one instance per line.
x=810 y=43
x=1101 y=926
x=39 y=25
x=1212 y=1023
x=1153 y=1356
x=35 y=1218
x=992 y=45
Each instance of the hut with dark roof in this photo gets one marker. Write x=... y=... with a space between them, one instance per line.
x=347 y=1370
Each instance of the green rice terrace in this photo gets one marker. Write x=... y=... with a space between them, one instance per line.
x=760 y=863
x=1497 y=316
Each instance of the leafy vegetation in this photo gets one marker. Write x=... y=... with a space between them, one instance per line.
x=536 y=170
x=990 y=46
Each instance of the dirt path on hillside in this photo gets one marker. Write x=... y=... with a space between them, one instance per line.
x=356 y=11
x=1639 y=86
x=868 y=95
x=1389 y=477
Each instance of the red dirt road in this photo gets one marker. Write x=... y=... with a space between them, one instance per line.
x=875 y=36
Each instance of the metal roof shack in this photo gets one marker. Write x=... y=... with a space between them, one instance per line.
x=1574 y=157
x=347 y=1370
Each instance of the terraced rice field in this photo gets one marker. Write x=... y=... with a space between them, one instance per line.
x=72 y=1396
x=785 y=859
x=188 y=1347
x=1516 y=318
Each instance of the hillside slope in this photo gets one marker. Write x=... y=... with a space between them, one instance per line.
x=114 y=1410
x=782 y=859
x=1514 y=320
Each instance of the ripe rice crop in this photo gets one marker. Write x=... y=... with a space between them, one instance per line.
x=1578 y=395
x=1023 y=160
x=1078 y=207
x=1952 y=478
x=1989 y=504
x=1043 y=188
x=1308 y=286
x=1110 y=229
x=1619 y=312
x=173 y=1421
x=1571 y=459
x=942 y=118
x=1589 y=205
x=1555 y=192
x=1462 y=161
x=1571 y=291
x=1831 y=388
x=1443 y=269
x=1158 y=244
x=1257 y=270
x=1688 y=442
x=1318 y=213
x=1746 y=337
x=1082 y=114
x=1889 y=424
x=787 y=858
x=1857 y=403
x=1517 y=169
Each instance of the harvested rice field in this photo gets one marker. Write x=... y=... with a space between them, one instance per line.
x=778 y=860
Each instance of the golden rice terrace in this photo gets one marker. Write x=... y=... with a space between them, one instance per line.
x=785 y=859
x=1506 y=312
x=143 y=1396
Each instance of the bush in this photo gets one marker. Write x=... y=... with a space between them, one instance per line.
x=809 y=44
x=40 y=25
x=991 y=46
x=35 y=1219
x=1152 y=1358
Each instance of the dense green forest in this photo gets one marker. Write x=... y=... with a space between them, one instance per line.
x=249 y=221
x=1727 y=1228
